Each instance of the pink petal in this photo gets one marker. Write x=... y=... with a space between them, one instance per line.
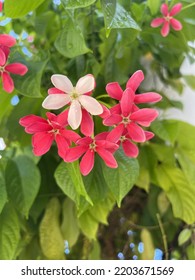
x=108 y=145
x=55 y=91
x=176 y=9
x=75 y=153
x=165 y=29
x=106 y=112
x=87 y=162
x=51 y=117
x=116 y=109
x=114 y=90
x=16 y=68
x=62 y=82
x=91 y=104
x=62 y=118
x=62 y=145
x=149 y=135
x=8 y=84
x=87 y=124
x=85 y=141
x=42 y=142
x=107 y=156
x=136 y=132
x=176 y=24
x=102 y=135
x=130 y=149
x=30 y=119
x=38 y=127
x=74 y=114
x=144 y=116
x=7 y=40
x=112 y=120
x=70 y=135
x=127 y=101
x=149 y=97
x=116 y=133
x=55 y=101
x=6 y=50
x=157 y=22
x=164 y=9
x=85 y=84
x=135 y=80
x=2 y=58
x=1 y=6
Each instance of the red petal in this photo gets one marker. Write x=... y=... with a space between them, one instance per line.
x=116 y=133
x=164 y=9
x=149 y=135
x=2 y=57
x=149 y=97
x=30 y=119
x=135 y=80
x=70 y=135
x=38 y=127
x=75 y=153
x=85 y=141
x=42 y=142
x=51 y=117
x=87 y=124
x=1 y=6
x=54 y=91
x=157 y=22
x=176 y=9
x=17 y=68
x=8 y=84
x=144 y=116
x=116 y=109
x=136 y=132
x=7 y=40
x=87 y=162
x=176 y=24
x=130 y=149
x=112 y=120
x=165 y=29
x=101 y=135
x=106 y=112
x=6 y=51
x=114 y=90
x=62 y=145
x=127 y=101
x=108 y=157
x=62 y=118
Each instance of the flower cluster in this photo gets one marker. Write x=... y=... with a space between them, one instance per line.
x=125 y=121
x=6 y=42
x=168 y=19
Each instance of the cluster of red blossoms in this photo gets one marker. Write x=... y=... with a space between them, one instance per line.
x=126 y=121
x=6 y=42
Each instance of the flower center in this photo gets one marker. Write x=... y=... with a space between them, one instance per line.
x=168 y=17
x=93 y=145
x=126 y=120
x=123 y=138
x=2 y=68
x=74 y=94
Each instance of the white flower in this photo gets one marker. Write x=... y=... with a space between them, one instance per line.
x=75 y=96
x=2 y=145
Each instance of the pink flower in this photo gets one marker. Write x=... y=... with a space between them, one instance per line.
x=168 y=20
x=48 y=130
x=115 y=91
x=89 y=146
x=6 y=42
x=126 y=116
x=78 y=97
x=1 y=6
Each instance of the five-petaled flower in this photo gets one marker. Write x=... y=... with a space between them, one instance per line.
x=168 y=19
x=89 y=146
x=48 y=130
x=78 y=97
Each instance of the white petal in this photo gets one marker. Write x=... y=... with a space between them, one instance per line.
x=91 y=104
x=2 y=144
x=85 y=84
x=74 y=114
x=55 y=101
x=62 y=82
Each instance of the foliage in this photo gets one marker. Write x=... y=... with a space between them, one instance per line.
x=48 y=210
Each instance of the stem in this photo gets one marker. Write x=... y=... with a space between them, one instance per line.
x=188 y=6
x=164 y=237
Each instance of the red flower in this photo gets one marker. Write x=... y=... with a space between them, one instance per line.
x=89 y=146
x=48 y=130
x=1 y=6
x=167 y=20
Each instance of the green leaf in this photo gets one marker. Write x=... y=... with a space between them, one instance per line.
x=190 y=80
x=167 y=130
x=16 y=9
x=154 y=6
x=30 y=84
x=121 y=180
x=69 y=179
x=5 y=104
x=146 y=238
x=88 y=225
x=184 y=236
x=22 y=182
x=69 y=227
x=70 y=41
x=69 y=4
x=3 y=193
x=51 y=240
x=9 y=233
x=115 y=16
x=179 y=191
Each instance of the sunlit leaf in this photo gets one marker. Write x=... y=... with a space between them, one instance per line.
x=69 y=4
